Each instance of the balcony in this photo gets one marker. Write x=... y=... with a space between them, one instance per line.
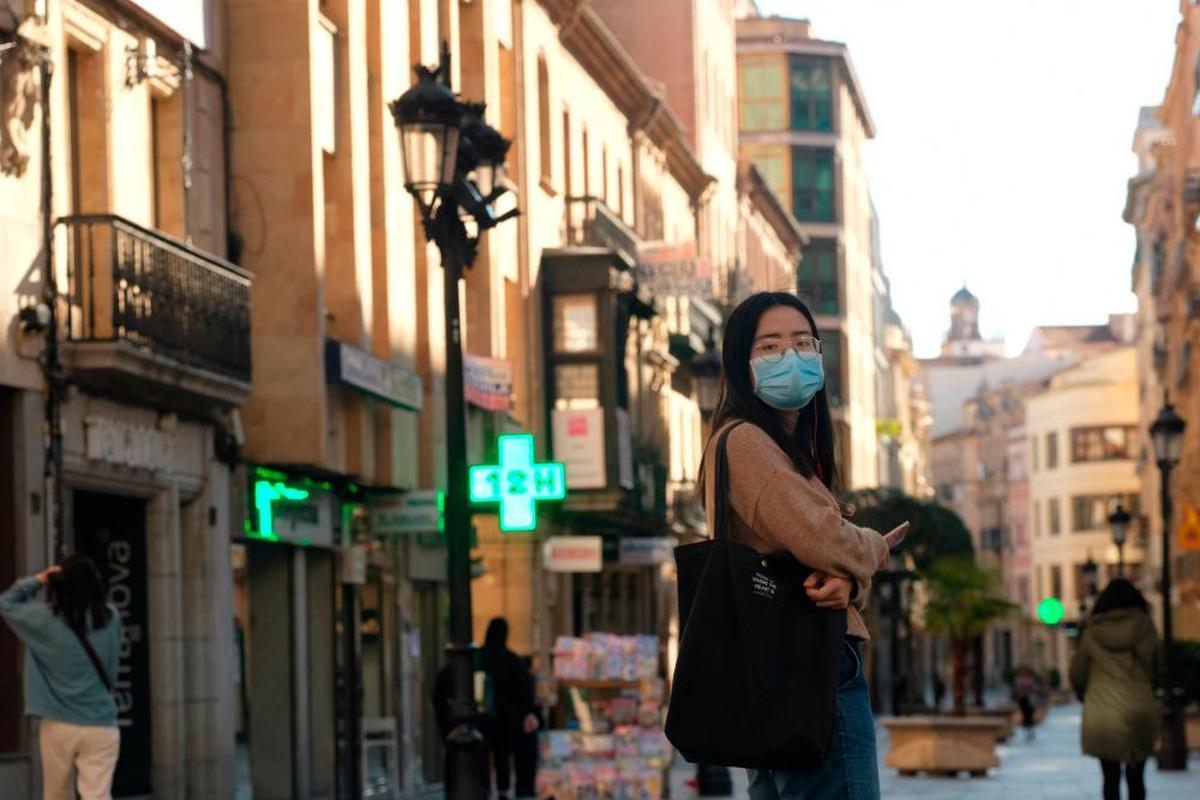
x=591 y=223
x=154 y=317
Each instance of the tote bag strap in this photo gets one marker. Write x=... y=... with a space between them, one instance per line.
x=101 y=672
x=721 y=485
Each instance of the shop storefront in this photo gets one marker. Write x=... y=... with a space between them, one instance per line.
x=146 y=497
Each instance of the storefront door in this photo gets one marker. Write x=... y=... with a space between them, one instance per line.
x=433 y=618
x=112 y=530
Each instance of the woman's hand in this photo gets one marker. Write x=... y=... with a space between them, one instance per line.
x=43 y=577
x=530 y=723
x=893 y=539
x=828 y=591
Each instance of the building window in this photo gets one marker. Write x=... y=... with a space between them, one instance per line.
x=817 y=276
x=1040 y=577
x=587 y=168
x=1051 y=450
x=1023 y=591
x=604 y=176
x=621 y=191
x=576 y=386
x=1056 y=586
x=1037 y=519
x=576 y=328
x=831 y=351
x=1102 y=443
x=325 y=84
x=812 y=184
x=811 y=93
x=1055 y=518
x=771 y=161
x=543 y=100
x=763 y=92
x=1090 y=512
x=566 y=152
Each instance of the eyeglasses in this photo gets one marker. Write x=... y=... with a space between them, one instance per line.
x=773 y=350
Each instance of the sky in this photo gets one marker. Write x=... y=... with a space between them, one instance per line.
x=1003 y=148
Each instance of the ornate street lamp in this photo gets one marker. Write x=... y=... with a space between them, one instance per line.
x=1091 y=581
x=453 y=162
x=1167 y=435
x=430 y=120
x=1118 y=523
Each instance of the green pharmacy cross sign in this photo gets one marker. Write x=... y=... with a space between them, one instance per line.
x=517 y=483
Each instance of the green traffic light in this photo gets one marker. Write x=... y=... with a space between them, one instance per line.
x=1050 y=611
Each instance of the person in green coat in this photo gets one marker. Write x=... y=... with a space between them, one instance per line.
x=1112 y=672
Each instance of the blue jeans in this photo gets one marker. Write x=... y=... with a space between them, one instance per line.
x=851 y=771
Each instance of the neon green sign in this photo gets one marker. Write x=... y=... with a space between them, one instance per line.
x=267 y=492
x=1050 y=611
x=517 y=483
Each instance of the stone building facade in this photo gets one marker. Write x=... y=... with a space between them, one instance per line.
x=1163 y=205
x=116 y=189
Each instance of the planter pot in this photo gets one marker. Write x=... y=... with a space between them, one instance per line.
x=943 y=745
x=1006 y=714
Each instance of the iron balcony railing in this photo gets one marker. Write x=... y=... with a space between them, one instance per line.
x=590 y=222
x=132 y=284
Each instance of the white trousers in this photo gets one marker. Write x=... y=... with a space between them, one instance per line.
x=87 y=751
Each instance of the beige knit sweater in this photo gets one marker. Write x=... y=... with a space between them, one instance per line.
x=776 y=509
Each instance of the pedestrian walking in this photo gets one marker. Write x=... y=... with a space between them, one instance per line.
x=512 y=709
x=1025 y=687
x=782 y=484
x=1112 y=671
x=72 y=650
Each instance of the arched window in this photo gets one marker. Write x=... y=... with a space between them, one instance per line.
x=544 y=118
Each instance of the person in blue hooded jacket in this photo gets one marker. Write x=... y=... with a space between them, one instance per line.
x=68 y=691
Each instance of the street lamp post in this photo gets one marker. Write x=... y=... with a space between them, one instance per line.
x=1091 y=583
x=1167 y=435
x=706 y=367
x=453 y=165
x=1118 y=523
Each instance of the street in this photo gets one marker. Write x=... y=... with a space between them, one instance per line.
x=1049 y=768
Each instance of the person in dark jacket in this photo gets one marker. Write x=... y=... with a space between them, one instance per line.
x=1112 y=670
x=512 y=714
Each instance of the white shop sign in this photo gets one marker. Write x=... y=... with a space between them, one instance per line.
x=413 y=512
x=125 y=444
x=573 y=554
x=579 y=445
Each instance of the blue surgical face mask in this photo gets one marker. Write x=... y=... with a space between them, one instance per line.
x=789 y=383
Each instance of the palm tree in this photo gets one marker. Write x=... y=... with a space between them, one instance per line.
x=961 y=603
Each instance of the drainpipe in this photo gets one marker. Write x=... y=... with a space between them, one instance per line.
x=52 y=470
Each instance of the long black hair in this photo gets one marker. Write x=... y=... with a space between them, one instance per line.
x=811 y=446
x=1120 y=593
x=496 y=637
x=76 y=592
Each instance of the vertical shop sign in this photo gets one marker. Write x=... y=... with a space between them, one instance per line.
x=579 y=444
x=112 y=531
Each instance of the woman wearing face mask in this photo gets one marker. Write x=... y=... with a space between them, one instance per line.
x=782 y=485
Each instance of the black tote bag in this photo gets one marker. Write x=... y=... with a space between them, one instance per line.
x=756 y=675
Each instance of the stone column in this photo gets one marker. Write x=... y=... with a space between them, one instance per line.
x=165 y=612
x=207 y=582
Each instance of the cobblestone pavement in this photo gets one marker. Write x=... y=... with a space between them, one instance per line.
x=1049 y=768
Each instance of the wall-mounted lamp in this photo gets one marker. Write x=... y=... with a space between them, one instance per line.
x=34 y=318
